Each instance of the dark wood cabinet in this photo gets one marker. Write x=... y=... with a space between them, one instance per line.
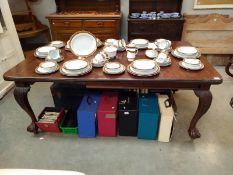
x=76 y=15
x=152 y=29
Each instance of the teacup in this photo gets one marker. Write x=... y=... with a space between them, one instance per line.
x=100 y=58
x=163 y=44
x=111 y=51
x=151 y=53
x=131 y=51
x=162 y=57
x=54 y=54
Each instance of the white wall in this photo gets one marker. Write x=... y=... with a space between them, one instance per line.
x=45 y=7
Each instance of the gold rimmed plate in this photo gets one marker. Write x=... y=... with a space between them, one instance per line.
x=181 y=63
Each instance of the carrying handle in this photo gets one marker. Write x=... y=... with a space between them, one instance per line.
x=167 y=103
x=89 y=100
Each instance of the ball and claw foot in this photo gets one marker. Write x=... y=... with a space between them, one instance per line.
x=32 y=128
x=194 y=133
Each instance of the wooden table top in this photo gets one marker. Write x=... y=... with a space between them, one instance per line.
x=25 y=72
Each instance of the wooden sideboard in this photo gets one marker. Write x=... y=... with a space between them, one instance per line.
x=155 y=28
x=76 y=15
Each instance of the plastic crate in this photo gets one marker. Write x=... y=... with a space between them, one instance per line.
x=69 y=123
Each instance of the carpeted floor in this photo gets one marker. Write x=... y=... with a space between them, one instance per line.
x=212 y=154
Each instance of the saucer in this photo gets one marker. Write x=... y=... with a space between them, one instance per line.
x=74 y=73
x=183 y=65
x=57 y=44
x=57 y=60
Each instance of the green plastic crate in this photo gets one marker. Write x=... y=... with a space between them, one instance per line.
x=69 y=123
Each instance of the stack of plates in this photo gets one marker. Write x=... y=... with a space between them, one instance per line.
x=76 y=67
x=47 y=67
x=140 y=43
x=57 y=44
x=42 y=52
x=191 y=64
x=143 y=67
x=186 y=52
x=113 y=68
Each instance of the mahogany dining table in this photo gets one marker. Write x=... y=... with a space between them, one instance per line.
x=172 y=77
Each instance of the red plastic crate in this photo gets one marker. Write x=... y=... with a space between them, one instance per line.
x=50 y=127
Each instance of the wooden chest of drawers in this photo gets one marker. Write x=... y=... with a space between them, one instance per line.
x=63 y=26
x=100 y=17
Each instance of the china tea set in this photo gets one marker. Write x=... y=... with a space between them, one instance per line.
x=83 y=44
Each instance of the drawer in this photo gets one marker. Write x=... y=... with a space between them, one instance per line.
x=140 y=27
x=100 y=30
x=63 y=35
x=66 y=23
x=99 y=23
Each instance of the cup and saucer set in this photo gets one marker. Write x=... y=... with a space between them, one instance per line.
x=190 y=57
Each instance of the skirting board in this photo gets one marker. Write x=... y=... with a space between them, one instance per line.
x=5 y=87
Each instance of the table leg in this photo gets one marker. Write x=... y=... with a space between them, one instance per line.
x=227 y=68
x=205 y=99
x=21 y=96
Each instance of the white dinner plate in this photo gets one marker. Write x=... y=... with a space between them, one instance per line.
x=75 y=64
x=144 y=64
x=83 y=44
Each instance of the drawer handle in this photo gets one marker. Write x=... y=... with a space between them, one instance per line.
x=66 y=23
x=100 y=23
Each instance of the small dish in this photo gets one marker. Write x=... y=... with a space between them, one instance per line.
x=42 y=71
x=57 y=44
x=43 y=51
x=150 y=53
x=187 y=50
x=144 y=64
x=74 y=73
x=75 y=64
x=188 y=67
x=140 y=43
x=116 y=71
x=112 y=65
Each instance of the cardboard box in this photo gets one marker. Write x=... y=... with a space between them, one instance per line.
x=166 y=119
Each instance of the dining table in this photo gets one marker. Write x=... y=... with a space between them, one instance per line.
x=172 y=77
